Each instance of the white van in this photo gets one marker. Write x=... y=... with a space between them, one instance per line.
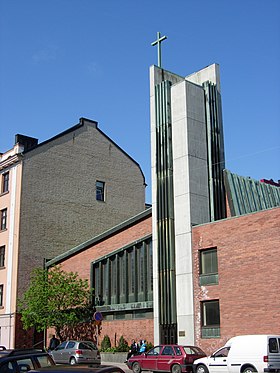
x=243 y=354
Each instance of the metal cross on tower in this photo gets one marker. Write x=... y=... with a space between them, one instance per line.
x=158 y=43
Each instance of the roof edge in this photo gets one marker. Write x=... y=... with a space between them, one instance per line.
x=75 y=250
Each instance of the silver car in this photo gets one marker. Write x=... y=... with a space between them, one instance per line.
x=76 y=352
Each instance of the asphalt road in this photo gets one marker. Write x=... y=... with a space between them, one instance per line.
x=121 y=365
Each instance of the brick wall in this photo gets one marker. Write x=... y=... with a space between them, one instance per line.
x=59 y=209
x=129 y=329
x=248 y=266
x=81 y=262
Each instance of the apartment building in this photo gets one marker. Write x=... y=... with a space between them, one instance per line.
x=55 y=195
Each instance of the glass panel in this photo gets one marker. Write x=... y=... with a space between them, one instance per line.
x=209 y=261
x=168 y=350
x=211 y=313
x=61 y=346
x=1 y=295
x=3 y=219
x=44 y=361
x=154 y=351
x=178 y=351
x=100 y=188
x=2 y=256
x=141 y=269
x=212 y=279
x=105 y=281
x=273 y=346
x=25 y=364
x=5 y=185
x=223 y=352
x=210 y=332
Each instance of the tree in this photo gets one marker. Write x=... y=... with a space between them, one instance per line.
x=56 y=299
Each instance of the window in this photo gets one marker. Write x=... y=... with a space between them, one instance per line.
x=223 y=352
x=208 y=267
x=24 y=365
x=2 y=256
x=118 y=277
x=210 y=319
x=5 y=182
x=1 y=295
x=44 y=361
x=3 y=223
x=154 y=351
x=62 y=346
x=167 y=350
x=178 y=351
x=100 y=191
x=273 y=345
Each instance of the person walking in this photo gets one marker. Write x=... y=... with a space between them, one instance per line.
x=54 y=342
x=132 y=351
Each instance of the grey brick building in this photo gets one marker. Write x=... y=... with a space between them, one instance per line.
x=72 y=187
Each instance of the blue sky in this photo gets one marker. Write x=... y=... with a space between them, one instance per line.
x=65 y=59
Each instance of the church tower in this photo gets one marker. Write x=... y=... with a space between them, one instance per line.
x=187 y=162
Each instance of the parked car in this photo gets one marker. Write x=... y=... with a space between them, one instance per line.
x=22 y=360
x=77 y=369
x=245 y=354
x=166 y=358
x=76 y=352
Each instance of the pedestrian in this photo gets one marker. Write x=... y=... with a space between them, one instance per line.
x=54 y=342
x=143 y=347
x=132 y=351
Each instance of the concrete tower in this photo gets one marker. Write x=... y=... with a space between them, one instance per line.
x=187 y=189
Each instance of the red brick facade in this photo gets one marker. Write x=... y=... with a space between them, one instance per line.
x=80 y=262
x=248 y=258
x=129 y=329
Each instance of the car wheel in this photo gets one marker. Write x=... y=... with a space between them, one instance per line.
x=136 y=368
x=249 y=370
x=72 y=361
x=176 y=368
x=201 y=369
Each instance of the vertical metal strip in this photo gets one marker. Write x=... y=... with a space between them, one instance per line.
x=165 y=210
x=215 y=149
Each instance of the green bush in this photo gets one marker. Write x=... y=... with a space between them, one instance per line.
x=123 y=345
x=149 y=346
x=106 y=344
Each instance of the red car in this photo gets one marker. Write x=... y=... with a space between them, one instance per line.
x=166 y=358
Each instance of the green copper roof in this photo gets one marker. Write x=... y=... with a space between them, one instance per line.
x=246 y=195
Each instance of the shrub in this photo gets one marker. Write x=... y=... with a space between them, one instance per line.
x=106 y=343
x=123 y=345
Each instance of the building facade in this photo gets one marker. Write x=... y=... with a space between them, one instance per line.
x=11 y=173
x=234 y=271
x=234 y=275
x=187 y=187
x=214 y=237
x=119 y=267
x=56 y=195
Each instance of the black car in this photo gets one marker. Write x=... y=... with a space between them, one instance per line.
x=77 y=369
x=23 y=360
